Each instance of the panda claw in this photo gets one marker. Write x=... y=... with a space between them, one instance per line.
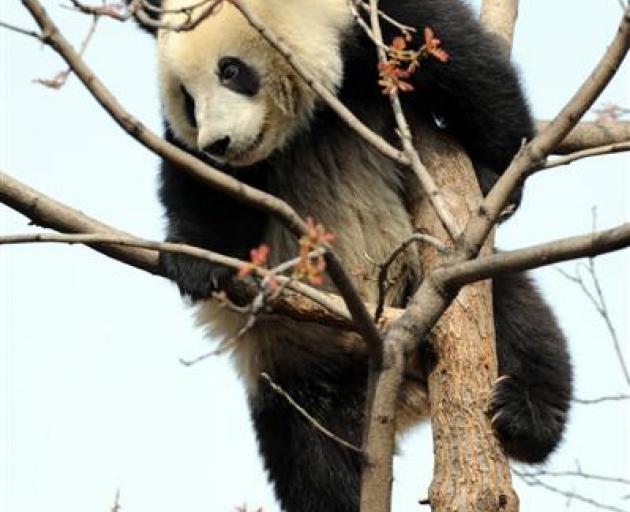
x=494 y=419
x=501 y=378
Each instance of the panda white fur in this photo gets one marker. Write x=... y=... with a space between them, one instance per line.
x=230 y=99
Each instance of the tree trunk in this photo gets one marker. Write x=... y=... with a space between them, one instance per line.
x=471 y=473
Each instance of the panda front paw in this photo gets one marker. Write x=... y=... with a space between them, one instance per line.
x=195 y=278
x=528 y=428
x=487 y=179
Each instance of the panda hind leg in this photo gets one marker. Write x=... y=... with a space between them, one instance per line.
x=311 y=472
x=530 y=400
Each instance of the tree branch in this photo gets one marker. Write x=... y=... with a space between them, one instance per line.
x=143 y=254
x=532 y=480
x=45 y=211
x=499 y=17
x=538 y=148
x=535 y=256
x=590 y=134
x=569 y=158
x=316 y=424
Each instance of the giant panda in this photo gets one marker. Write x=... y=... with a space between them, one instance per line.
x=233 y=101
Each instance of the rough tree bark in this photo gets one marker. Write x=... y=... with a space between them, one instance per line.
x=471 y=472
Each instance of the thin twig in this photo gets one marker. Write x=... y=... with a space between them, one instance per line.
x=190 y=22
x=210 y=256
x=601 y=399
x=395 y=23
x=116 y=506
x=225 y=344
x=108 y=10
x=307 y=416
x=20 y=30
x=578 y=155
x=435 y=195
x=352 y=5
x=259 y=304
x=603 y=311
x=59 y=80
x=598 y=301
x=533 y=481
x=537 y=472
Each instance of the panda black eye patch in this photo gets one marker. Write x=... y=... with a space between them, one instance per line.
x=238 y=76
x=189 y=107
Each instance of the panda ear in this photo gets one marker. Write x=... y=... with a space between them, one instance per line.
x=148 y=14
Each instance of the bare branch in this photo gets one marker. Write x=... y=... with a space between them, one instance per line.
x=122 y=239
x=532 y=480
x=537 y=150
x=585 y=153
x=105 y=9
x=590 y=134
x=433 y=296
x=499 y=17
x=190 y=21
x=20 y=30
x=126 y=248
x=45 y=211
x=537 y=472
x=589 y=245
x=384 y=381
x=599 y=303
x=58 y=81
x=601 y=399
x=116 y=506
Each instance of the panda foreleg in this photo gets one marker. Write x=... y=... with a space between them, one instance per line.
x=200 y=216
x=531 y=398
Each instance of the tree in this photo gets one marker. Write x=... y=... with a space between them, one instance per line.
x=100 y=145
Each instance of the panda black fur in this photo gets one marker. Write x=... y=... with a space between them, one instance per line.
x=231 y=100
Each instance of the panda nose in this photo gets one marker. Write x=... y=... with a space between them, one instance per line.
x=218 y=147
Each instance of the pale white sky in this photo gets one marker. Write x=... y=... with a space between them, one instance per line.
x=93 y=396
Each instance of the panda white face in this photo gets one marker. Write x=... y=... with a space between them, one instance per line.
x=227 y=93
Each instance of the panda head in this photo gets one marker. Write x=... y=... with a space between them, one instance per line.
x=227 y=93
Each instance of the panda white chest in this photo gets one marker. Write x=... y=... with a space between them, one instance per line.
x=356 y=194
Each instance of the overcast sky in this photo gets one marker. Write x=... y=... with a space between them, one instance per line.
x=93 y=396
